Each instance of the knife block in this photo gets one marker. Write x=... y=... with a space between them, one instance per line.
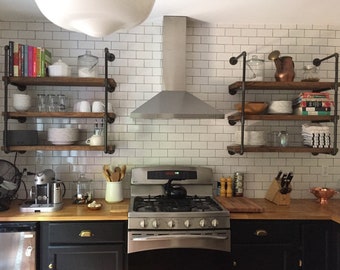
x=274 y=195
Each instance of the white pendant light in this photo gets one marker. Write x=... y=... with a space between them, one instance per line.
x=96 y=18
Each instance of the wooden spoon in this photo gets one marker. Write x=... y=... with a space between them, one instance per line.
x=123 y=172
x=106 y=174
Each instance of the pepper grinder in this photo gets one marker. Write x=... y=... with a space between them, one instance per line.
x=222 y=189
x=229 y=187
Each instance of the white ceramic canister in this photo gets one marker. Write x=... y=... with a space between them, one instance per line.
x=114 y=192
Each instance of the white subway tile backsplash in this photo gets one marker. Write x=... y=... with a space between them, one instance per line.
x=138 y=73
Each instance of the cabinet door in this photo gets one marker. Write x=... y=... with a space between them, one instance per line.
x=315 y=239
x=90 y=257
x=264 y=244
x=264 y=257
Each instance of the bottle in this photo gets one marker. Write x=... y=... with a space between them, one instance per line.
x=87 y=65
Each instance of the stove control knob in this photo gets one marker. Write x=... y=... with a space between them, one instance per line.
x=143 y=223
x=171 y=223
x=187 y=223
x=214 y=223
x=155 y=223
x=202 y=223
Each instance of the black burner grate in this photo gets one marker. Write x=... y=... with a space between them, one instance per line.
x=167 y=204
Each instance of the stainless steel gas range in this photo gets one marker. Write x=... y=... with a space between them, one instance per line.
x=172 y=207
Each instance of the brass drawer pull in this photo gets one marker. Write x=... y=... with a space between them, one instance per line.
x=261 y=233
x=85 y=233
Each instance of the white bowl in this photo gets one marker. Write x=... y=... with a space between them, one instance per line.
x=280 y=107
x=63 y=136
x=255 y=138
x=21 y=102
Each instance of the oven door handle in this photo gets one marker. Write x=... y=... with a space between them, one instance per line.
x=178 y=236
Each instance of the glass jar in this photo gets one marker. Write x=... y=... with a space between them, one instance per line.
x=283 y=138
x=87 y=65
x=310 y=74
x=82 y=190
x=255 y=69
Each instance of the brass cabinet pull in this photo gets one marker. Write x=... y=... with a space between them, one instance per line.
x=85 y=233
x=261 y=233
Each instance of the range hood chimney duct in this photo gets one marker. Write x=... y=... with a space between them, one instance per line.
x=174 y=101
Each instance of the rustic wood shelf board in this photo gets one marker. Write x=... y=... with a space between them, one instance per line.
x=60 y=81
x=303 y=86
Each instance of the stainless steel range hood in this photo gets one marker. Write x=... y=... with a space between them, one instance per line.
x=174 y=101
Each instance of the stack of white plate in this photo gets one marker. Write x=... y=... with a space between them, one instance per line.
x=280 y=107
x=63 y=136
x=255 y=138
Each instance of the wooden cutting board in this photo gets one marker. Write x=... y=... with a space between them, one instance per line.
x=240 y=205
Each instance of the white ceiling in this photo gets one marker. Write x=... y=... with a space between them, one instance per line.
x=213 y=11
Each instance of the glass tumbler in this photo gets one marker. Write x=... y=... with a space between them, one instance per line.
x=283 y=138
x=52 y=103
x=41 y=102
x=62 y=103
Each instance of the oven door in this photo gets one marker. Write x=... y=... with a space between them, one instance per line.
x=150 y=240
x=181 y=250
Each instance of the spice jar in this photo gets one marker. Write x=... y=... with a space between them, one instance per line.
x=310 y=74
x=87 y=65
x=82 y=192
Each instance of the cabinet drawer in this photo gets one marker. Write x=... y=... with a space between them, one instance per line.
x=86 y=232
x=262 y=232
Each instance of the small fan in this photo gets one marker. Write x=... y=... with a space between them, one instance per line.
x=10 y=179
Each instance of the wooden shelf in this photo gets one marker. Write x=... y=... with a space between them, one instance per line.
x=23 y=148
x=303 y=86
x=233 y=149
x=272 y=86
x=233 y=118
x=22 y=82
x=15 y=115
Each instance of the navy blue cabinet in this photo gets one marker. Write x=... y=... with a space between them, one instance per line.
x=83 y=245
x=264 y=245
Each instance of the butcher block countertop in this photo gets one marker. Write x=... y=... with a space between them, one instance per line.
x=71 y=212
x=305 y=209
x=299 y=209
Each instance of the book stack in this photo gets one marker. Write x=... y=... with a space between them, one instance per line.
x=27 y=60
x=311 y=103
x=316 y=136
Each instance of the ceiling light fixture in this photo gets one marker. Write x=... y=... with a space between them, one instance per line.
x=96 y=18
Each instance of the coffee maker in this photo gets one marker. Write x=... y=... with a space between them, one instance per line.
x=46 y=194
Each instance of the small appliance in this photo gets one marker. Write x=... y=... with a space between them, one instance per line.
x=46 y=194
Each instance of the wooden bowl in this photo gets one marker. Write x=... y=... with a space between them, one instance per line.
x=323 y=194
x=94 y=206
x=252 y=107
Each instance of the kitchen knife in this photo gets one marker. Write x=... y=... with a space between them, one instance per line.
x=283 y=179
x=277 y=178
x=285 y=184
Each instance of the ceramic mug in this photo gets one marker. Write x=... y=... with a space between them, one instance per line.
x=82 y=106
x=98 y=106
x=95 y=140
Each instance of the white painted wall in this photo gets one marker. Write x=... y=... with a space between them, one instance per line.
x=137 y=70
